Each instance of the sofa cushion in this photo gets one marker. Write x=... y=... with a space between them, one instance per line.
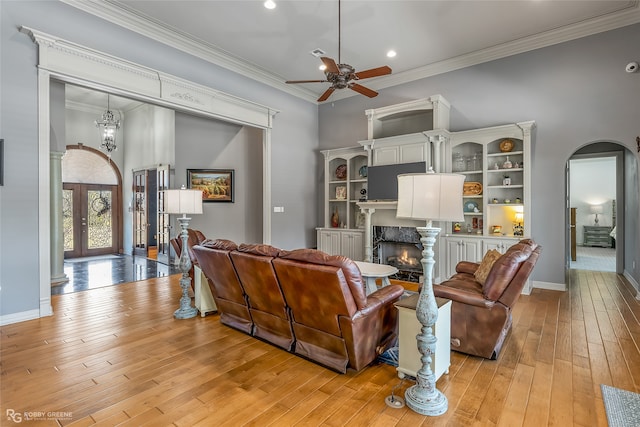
x=259 y=249
x=485 y=266
x=221 y=244
x=351 y=272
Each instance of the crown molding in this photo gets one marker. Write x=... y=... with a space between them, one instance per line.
x=119 y=14
x=130 y=19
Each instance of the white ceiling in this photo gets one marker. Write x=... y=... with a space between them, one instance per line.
x=430 y=36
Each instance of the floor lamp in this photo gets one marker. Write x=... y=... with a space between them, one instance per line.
x=432 y=197
x=184 y=202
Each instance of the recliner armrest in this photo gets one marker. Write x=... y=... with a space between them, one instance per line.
x=467 y=267
x=462 y=295
x=381 y=297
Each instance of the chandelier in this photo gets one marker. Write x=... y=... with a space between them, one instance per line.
x=108 y=127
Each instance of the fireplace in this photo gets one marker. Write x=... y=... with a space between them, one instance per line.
x=401 y=248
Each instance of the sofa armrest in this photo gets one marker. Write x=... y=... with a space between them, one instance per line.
x=467 y=267
x=462 y=295
x=381 y=297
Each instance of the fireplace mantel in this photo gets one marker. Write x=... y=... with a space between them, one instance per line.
x=373 y=204
x=386 y=216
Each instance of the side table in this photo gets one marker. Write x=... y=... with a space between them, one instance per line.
x=409 y=326
x=203 y=298
x=372 y=271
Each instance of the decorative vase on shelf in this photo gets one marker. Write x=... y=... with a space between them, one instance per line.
x=507 y=164
x=335 y=219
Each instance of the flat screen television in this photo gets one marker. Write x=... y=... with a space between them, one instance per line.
x=382 y=181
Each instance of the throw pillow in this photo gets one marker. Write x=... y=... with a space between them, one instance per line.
x=485 y=266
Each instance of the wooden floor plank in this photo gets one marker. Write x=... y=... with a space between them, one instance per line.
x=116 y=355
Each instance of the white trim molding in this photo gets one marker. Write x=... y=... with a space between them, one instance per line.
x=549 y=285
x=72 y=63
x=121 y=15
x=22 y=316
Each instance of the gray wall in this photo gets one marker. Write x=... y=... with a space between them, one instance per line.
x=221 y=145
x=294 y=136
x=577 y=92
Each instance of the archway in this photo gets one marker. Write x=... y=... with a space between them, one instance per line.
x=607 y=198
x=92 y=200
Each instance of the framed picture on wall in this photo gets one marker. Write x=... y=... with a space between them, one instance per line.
x=216 y=184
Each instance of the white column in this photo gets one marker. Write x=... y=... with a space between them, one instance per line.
x=368 y=235
x=55 y=214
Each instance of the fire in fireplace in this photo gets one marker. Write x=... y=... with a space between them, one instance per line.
x=401 y=248
x=403 y=256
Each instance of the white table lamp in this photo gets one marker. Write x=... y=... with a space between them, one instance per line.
x=431 y=197
x=596 y=209
x=184 y=202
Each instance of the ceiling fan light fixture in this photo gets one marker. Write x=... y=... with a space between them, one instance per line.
x=340 y=75
x=391 y=54
x=270 y=4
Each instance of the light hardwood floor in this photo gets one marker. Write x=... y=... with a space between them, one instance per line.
x=116 y=356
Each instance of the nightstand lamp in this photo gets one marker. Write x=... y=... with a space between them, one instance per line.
x=596 y=209
x=431 y=197
x=184 y=202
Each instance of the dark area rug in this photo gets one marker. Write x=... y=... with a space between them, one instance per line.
x=622 y=406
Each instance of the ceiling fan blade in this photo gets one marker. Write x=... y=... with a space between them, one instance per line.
x=331 y=65
x=305 y=81
x=326 y=94
x=374 y=72
x=363 y=90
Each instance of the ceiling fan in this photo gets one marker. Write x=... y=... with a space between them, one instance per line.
x=343 y=76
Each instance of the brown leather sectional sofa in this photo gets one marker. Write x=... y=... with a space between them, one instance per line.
x=304 y=301
x=481 y=314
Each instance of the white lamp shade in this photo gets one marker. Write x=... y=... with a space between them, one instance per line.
x=596 y=209
x=430 y=196
x=183 y=201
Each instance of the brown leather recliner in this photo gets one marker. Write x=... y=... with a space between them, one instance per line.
x=481 y=315
x=335 y=323
x=267 y=306
x=215 y=261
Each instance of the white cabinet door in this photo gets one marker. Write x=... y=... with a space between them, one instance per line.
x=329 y=242
x=460 y=249
x=386 y=156
x=352 y=245
x=410 y=153
x=501 y=245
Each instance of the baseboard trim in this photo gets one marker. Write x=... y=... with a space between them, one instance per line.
x=550 y=286
x=633 y=282
x=8 y=319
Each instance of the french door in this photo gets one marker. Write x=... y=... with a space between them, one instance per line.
x=164 y=225
x=90 y=219
x=140 y=213
x=151 y=226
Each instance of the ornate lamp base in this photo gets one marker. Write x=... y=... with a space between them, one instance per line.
x=423 y=397
x=433 y=405
x=186 y=311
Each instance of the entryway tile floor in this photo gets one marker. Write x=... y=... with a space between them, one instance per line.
x=108 y=270
x=594 y=259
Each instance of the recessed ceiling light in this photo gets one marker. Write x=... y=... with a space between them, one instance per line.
x=322 y=67
x=270 y=4
x=391 y=54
